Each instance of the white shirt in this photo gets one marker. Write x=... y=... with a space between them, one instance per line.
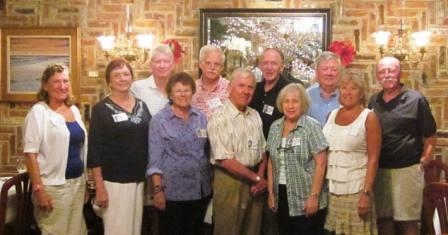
x=46 y=134
x=146 y=90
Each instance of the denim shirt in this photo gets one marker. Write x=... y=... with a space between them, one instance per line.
x=177 y=153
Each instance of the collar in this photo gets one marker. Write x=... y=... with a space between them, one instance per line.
x=200 y=84
x=401 y=96
x=279 y=84
x=233 y=111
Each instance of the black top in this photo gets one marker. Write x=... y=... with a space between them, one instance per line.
x=405 y=121
x=118 y=141
x=265 y=103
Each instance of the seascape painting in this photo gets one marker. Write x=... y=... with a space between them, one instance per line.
x=29 y=56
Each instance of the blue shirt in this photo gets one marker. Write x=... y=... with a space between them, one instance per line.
x=75 y=166
x=177 y=153
x=321 y=107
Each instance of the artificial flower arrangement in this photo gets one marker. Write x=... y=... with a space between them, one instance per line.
x=176 y=48
x=344 y=49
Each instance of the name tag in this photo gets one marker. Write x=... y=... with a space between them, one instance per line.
x=252 y=144
x=295 y=141
x=268 y=109
x=120 y=117
x=214 y=103
x=202 y=133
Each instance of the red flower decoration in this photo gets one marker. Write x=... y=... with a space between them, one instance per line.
x=344 y=49
x=176 y=48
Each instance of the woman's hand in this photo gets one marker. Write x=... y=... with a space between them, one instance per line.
x=311 y=205
x=159 y=200
x=101 y=198
x=44 y=201
x=271 y=201
x=363 y=205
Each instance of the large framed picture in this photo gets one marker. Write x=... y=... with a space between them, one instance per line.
x=26 y=52
x=301 y=34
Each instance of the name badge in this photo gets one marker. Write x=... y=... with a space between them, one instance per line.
x=252 y=144
x=120 y=117
x=268 y=109
x=295 y=141
x=214 y=103
x=202 y=133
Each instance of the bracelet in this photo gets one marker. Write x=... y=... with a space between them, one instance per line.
x=157 y=189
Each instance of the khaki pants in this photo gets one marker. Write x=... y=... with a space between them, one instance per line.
x=66 y=216
x=235 y=210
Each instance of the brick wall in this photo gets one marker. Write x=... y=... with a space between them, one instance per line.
x=353 y=20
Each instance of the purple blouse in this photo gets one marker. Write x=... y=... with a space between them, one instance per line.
x=177 y=153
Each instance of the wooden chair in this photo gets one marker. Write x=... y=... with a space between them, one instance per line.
x=433 y=174
x=436 y=196
x=23 y=222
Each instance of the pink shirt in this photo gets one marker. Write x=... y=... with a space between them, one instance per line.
x=209 y=101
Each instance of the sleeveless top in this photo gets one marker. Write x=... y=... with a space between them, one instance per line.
x=347 y=157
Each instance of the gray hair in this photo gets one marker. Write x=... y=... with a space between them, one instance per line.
x=328 y=55
x=207 y=49
x=241 y=71
x=293 y=87
x=161 y=49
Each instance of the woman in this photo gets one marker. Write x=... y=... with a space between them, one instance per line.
x=118 y=153
x=179 y=167
x=354 y=136
x=296 y=170
x=55 y=146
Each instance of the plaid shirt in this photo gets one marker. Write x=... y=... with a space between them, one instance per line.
x=303 y=142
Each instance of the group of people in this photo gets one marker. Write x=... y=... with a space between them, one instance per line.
x=271 y=157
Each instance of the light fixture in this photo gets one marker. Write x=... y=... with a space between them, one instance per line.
x=130 y=46
x=401 y=45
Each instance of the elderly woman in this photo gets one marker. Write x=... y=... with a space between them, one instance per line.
x=297 y=150
x=178 y=164
x=118 y=152
x=55 y=146
x=354 y=136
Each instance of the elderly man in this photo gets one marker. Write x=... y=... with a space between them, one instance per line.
x=211 y=88
x=324 y=94
x=408 y=141
x=152 y=90
x=266 y=91
x=237 y=143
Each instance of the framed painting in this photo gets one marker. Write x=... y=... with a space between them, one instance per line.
x=301 y=34
x=25 y=54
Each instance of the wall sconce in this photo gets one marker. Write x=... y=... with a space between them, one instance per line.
x=401 y=45
x=130 y=46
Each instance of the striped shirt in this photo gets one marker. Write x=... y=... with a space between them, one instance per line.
x=303 y=142
x=236 y=134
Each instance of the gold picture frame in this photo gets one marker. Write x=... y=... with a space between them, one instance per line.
x=26 y=52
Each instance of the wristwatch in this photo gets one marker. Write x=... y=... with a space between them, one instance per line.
x=366 y=192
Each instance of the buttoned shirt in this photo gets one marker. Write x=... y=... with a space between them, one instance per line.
x=303 y=142
x=177 y=152
x=209 y=101
x=146 y=90
x=236 y=134
x=320 y=107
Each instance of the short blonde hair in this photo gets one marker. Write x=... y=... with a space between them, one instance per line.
x=359 y=82
x=161 y=49
x=294 y=87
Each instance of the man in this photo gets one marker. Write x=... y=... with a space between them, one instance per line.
x=152 y=90
x=237 y=143
x=266 y=91
x=271 y=64
x=408 y=140
x=324 y=94
x=211 y=88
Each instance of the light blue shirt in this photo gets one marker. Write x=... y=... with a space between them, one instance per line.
x=177 y=153
x=321 y=107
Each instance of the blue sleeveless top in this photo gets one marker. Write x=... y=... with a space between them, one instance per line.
x=75 y=166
